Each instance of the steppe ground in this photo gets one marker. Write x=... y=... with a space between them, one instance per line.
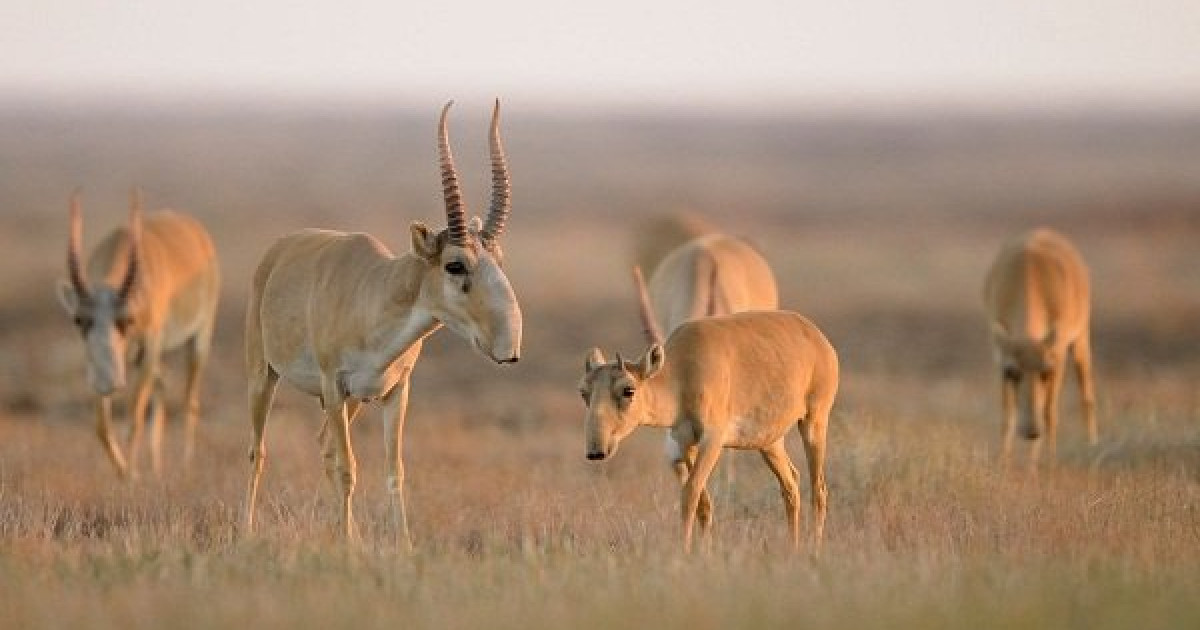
x=880 y=227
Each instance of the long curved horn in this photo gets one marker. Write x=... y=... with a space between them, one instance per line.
x=135 y=245
x=501 y=204
x=74 y=246
x=649 y=324
x=456 y=218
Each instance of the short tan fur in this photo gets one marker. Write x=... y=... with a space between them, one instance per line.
x=1037 y=299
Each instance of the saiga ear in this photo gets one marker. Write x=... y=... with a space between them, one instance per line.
x=424 y=241
x=68 y=297
x=594 y=359
x=652 y=361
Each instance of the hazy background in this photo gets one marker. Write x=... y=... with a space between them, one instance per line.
x=759 y=53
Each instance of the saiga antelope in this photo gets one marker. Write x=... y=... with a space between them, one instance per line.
x=1037 y=300
x=147 y=289
x=341 y=318
x=733 y=381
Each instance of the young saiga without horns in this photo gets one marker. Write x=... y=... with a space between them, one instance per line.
x=732 y=381
x=147 y=289
x=341 y=318
x=1037 y=300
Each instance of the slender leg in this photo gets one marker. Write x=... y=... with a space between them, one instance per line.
x=706 y=459
x=198 y=349
x=1009 y=395
x=263 y=383
x=813 y=433
x=329 y=449
x=157 y=413
x=338 y=418
x=1052 y=393
x=682 y=465
x=394 y=411
x=777 y=459
x=104 y=432
x=1082 y=353
x=139 y=399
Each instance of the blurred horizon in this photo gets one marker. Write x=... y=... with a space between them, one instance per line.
x=760 y=56
x=228 y=104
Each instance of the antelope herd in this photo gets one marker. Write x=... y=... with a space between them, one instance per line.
x=341 y=318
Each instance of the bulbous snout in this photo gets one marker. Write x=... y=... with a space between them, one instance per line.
x=600 y=449
x=488 y=315
x=105 y=388
x=105 y=371
x=502 y=353
x=105 y=382
x=506 y=340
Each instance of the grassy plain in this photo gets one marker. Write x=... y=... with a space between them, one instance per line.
x=879 y=227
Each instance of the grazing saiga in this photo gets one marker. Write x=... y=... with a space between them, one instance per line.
x=340 y=317
x=1037 y=300
x=148 y=288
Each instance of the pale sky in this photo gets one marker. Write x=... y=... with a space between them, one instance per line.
x=725 y=52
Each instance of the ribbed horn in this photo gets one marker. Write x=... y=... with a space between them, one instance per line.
x=649 y=324
x=501 y=204
x=456 y=218
x=715 y=305
x=75 y=246
x=135 y=245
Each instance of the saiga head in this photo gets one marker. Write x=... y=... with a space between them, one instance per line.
x=469 y=291
x=1030 y=365
x=615 y=396
x=104 y=314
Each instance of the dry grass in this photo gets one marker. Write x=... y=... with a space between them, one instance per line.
x=513 y=527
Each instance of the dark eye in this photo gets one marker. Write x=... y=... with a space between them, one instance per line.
x=456 y=268
x=627 y=392
x=1012 y=374
x=585 y=396
x=83 y=322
